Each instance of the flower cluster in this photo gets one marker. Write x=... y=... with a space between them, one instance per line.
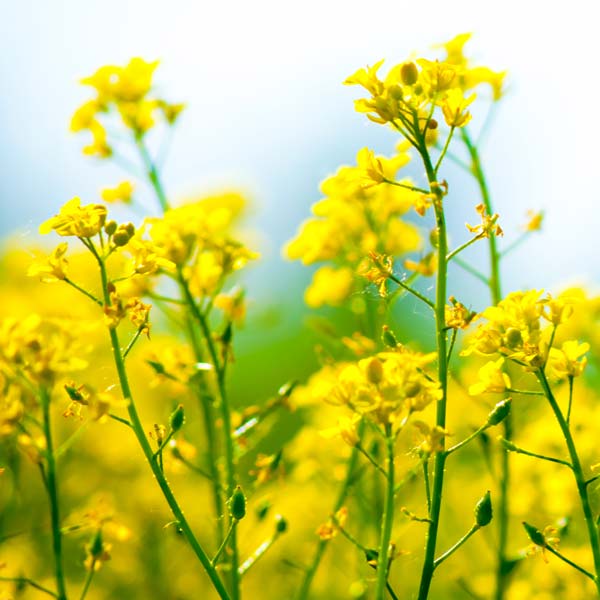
x=127 y=90
x=355 y=218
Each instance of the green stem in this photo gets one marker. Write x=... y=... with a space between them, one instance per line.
x=467 y=439
x=462 y=247
x=152 y=173
x=579 y=477
x=438 y=561
x=223 y=545
x=570 y=562
x=88 y=581
x=33 y=584
x=503 y=510
x=472 y=271
x=412 y=291
x=383 y=558
x=138 y=429
x=412 y=188
x=441 y=343
x=227 y=428
x=371 y=459
x=52 y=489
x=444 y=150
x=83 y=291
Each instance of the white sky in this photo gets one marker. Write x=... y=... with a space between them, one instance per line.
x=267 y=111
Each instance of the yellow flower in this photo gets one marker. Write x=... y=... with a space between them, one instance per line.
x=51 y=268
x=492 y=379
x=121 y=193
x=438 y=76
x=488 y=226
x=233 y=305
x=458 y=316
x=12 y=409
x=329 y=286
x=377 y=269
x=427 y=266
x=535 y=220
x=368 y=79
x=566 y=362
x=433 y=437
x=75 y=220
x=346 y=429
x=454 y=108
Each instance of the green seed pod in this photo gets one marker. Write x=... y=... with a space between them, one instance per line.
x=388 y=337
x=409 y=73
x=499 y=412
x=110 y=227
x=281 y=524
x=237 y=504
x=177 y=418
x=483 y=510
x=434 y=236
x=535 y=535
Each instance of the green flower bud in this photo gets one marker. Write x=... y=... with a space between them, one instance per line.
x=499 y=412
x=409 y=73
x=388 y=337
x=110 y=227
x=121 y=237
x=130 y=229
x=237 y=504
x=96 y=545
x=375 y=370
x=535 y=535
x=177 y=418
x=281 y=524
x=513 y=337
x=483 y=510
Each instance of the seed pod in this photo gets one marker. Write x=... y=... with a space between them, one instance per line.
x=483 y=510
x=237 y=504
x=96 y=546
x=499 y=412
x=177 y=418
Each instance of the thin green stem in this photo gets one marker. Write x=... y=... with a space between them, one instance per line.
x=570 y=562
x=371 y=459
x=511 y=447
x=88 y=581
x=444 y=150
x=462 y=247
x=468 y=439
x=441 y=343
x=471 y=270
x=30 y=582
x=571 y=378
x=138 y=429
x=438 y=561
x=52 y=489
x=514 y=245
x=133 y=340
x=383 y=558
x=230 y=461
x=412 y=291
x=256 y=555
x=412 y=188
x=83 y=291
x=579 y=477
x=427 y=484
x=152 y=172
x=223 y=545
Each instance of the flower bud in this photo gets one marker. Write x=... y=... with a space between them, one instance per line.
x=96 y=547
x=513 y=337
x=395 y=91
x=177 y=418
x=388 y=337
x=483 y=510
x=130 y=229
x=432 y=124
x=499 y=412
x=375 y=370
x=280 y=524
x=237 y=504
x=120 y=237
x=409 y=73
x=110 y=227
x=535 y=535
